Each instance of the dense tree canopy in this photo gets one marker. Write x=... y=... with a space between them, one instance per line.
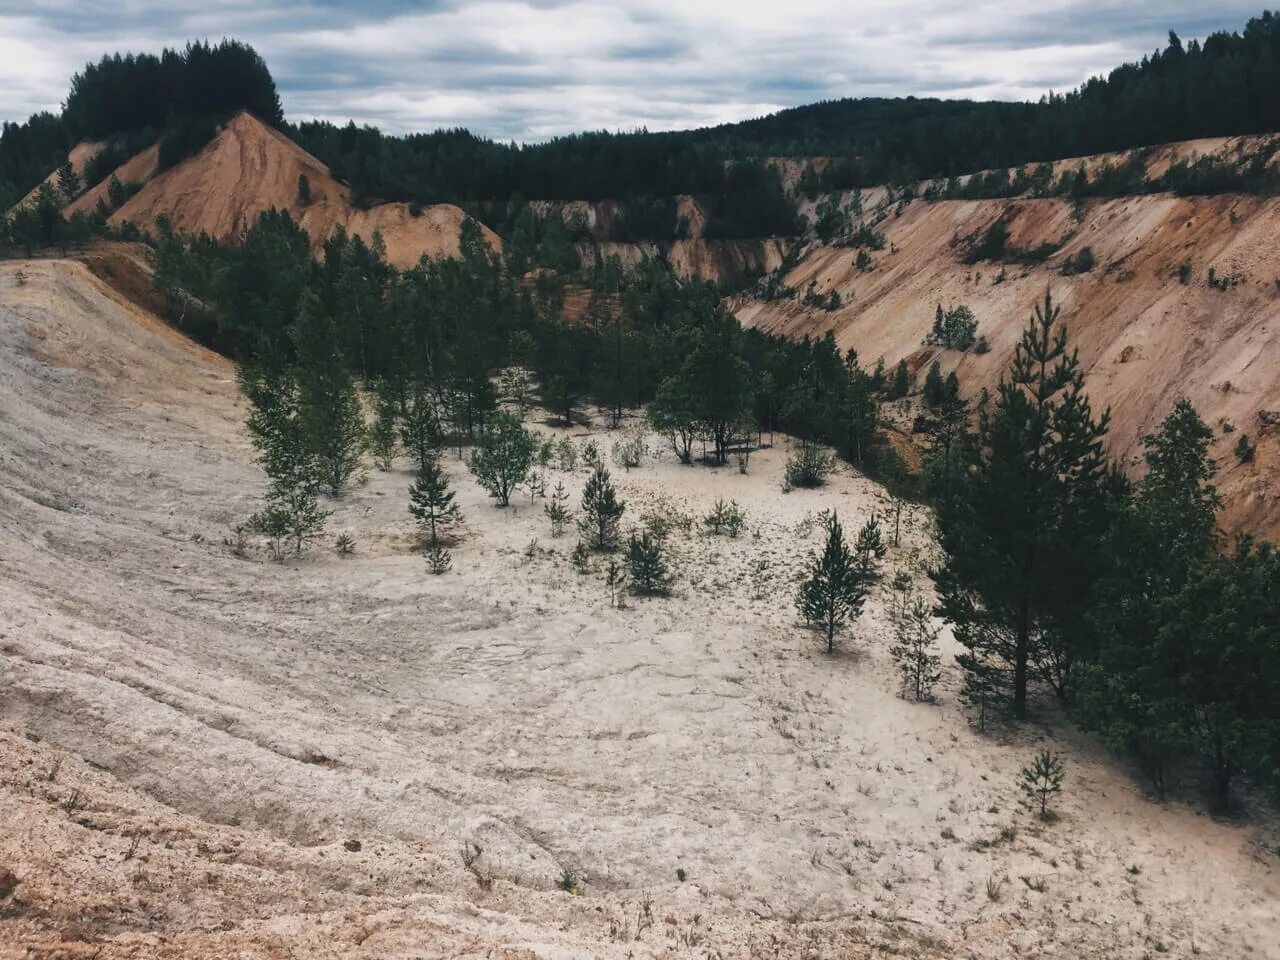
x=121 y=94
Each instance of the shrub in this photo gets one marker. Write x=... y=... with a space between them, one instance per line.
x=601 y=511
x=647 y=565
x=557 y=510
x=725 y=519
x=1082 y=262
x=954 y=329
x=567 y=455
x=1245 y=450
x=438 y=559
x=1042 y=780
x=808 y=467
x=630 y=451
x=502 y=460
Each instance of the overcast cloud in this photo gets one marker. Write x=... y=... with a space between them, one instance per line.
x=529 y=69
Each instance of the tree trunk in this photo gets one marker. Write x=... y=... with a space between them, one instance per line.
x=1021 y=653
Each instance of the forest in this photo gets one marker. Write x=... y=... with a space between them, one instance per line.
x=1221 y=86
x=1218 y=87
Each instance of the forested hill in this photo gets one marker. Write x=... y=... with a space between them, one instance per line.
x=1225 y=85
x=1221 y=86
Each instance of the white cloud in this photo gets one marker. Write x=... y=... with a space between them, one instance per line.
x=528 y=69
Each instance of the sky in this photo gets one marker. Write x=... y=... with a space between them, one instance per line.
x=530 y=69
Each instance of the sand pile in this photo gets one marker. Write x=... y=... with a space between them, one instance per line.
x=249 y=167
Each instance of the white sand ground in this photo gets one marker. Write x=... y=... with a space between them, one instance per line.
x=192 y=743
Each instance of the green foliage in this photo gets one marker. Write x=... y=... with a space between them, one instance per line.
x=503 y=458
x=601 y=511
x=557 y=510
x=122 y=94
x=915 y=648
x=1245 y=449
x=431 y=501
x=185 y=139
x=837 y=584
x=304 y=190
x=439 y=560
x=1041 y=781
x=329 y=405
x=382 y=434
x=647 y=565
x=935 y=388
x=278 y=431
x=954 y=329
x=1081 y=262
x=901 y=384
x=808 y=467
x=725 y=519
x=1019 y=521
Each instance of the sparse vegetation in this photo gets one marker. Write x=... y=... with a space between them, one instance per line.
x=1042 y=781
x=839 y=579
x=601 y=512
x=502 y=459
x=646 y=561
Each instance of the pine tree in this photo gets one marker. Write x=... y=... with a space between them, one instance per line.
x=439 y=560
x=901 y=382
x=1042 y=780
x=68 y=182
x=915 y=650
x=647 y=565
x=278 y=432
x=504 y=456
x=432 y=502
x=419 y=426
x=1019 y=524
x=897 y=482
x=329 y=403
x=601 y=511
x=870 y=549
x=616 y=580
x=935 y=389
x=1133 y=690
x=557 y=510
x=383 y=430
x=837 y=585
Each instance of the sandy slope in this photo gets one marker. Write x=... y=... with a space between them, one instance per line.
x=1144 y=338
x=245 y=720
x=248 y=168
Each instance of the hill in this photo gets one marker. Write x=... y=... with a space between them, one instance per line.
x=1182 y=300
x=249 y=167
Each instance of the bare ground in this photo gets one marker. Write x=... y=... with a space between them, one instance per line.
x=215 y=756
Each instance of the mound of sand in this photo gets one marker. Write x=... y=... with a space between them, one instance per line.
x=248 y=168
x=208 y=754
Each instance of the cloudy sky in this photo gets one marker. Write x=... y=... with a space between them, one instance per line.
x=529 y=69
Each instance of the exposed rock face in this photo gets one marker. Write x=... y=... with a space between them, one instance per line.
x=249 y=168
x=1144 y=335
